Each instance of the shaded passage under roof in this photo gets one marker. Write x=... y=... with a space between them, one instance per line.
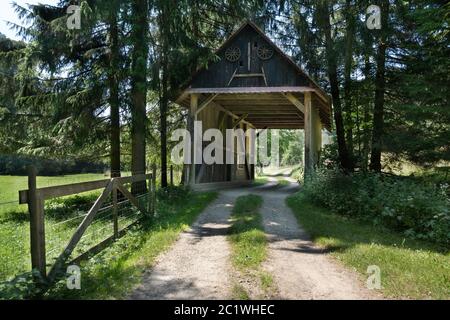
x=253 y=77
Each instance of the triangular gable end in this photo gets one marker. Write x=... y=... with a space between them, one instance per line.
x=248 y=58
x=249 y=62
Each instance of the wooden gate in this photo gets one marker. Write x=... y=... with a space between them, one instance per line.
x=35 y=198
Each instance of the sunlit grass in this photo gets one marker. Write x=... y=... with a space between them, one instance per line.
x=246 y=234
x=409 y=269
x=11 y=185
x=249 y=245
x=115 y=271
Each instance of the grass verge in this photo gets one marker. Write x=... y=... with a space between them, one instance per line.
x=115 y=271
x=282 y=182
x=11 y=185
x=409 y=268
x=261 y=180
x=248 y=242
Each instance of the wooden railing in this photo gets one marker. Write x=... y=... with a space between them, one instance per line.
x=35 y=198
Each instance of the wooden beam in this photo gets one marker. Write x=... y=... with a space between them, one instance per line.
x=248 y=75
x=264 y=75
x=246 y=90
x=80 y=231
x=293 y=99
x=132 y=199
x=65 y=190
x=218 y=106
x=191 y=123
x=323 y=97
x=232 y=77
x=273 y=117
x=268 y=123
x=251 y=97
x=269 y=113
x=239 y=120
x=287 y=127
x=206 y=103
x=69 y=189
x=271 y=110
x=102 y=245
x=37 y=224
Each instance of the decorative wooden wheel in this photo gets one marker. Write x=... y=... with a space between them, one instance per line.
x=233 y=54
x=265 y=52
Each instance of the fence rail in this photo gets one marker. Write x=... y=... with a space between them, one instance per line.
x=114 y=189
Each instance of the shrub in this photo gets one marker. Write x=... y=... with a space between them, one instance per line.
x=21 y=287
x=417 y=209
x=173 y=193
x=17 y=165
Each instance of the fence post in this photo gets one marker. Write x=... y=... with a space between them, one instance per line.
x=153 y=189
x=37 y=224
x=171 y=175
x=115 y=215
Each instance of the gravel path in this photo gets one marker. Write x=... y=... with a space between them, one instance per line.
x=300 y=269
x=198 y=265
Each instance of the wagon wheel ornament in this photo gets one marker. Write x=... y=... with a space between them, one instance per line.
x=233 y=54
x=265 y=52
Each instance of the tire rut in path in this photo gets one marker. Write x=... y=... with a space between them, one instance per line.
x=197 y=265
x=300 y=269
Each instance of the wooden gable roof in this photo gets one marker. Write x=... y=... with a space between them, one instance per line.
x=243 y=66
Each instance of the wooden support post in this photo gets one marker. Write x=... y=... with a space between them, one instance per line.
x=313 y=135
x=171 y=175
x=308 y=134
x=317 y=136
x=191 y=124
x=115 y=211
x=37 y=224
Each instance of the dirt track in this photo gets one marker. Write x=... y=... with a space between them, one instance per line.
x=198 y=267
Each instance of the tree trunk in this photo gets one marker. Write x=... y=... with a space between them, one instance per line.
x=139 y=90
x=113 y=80
x=350 y=35
x=380 y=82
x=163 y=114
x=344 y=157
x=366 y=116
x=164 y=100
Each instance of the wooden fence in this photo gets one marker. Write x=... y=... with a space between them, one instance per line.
x=35 y=198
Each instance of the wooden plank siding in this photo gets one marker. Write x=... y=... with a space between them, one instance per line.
x=244 y=89
x=278 y=71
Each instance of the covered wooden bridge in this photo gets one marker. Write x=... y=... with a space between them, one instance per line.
x=253 y=85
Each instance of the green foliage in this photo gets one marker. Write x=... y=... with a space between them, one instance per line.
x=246 y=234
x=111 y=273
x=418 y=118
x=24 y=286
x=17 y=165
x=249 y=246
x=418 y=209
x=411 y=269
x=173 y=193
x=291 y=147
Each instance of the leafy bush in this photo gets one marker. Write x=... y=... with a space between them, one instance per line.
x=17 y=165
x=172 y=193
x=23 y=286
x=418 y=209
